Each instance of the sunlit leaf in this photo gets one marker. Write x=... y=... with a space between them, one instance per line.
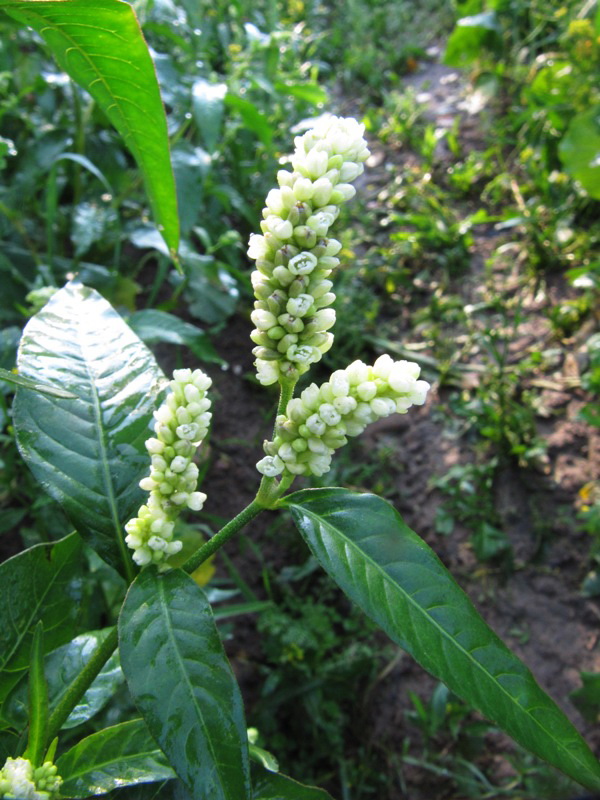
x=387 y=570
x=100 y=45
x=88 y=453
x=579 y=150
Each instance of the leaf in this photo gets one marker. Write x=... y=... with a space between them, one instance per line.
x=158 y=326
x=41 y=583
x=61 y=668
x=123 y=755
x=579 y=150
x=100 y=45
x=309 y=92
x=587 y=698
x=470 y=39
x=88 y=453
x=254 y=119
x=384 y=567
x=275 y=786
x=19 y=380
x=207 y=108
x=190 y=166
x=182 y=683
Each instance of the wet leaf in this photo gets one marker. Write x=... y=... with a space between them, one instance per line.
x=88 y=453
x=41 y=583
x=123 y=755
x=182 y=683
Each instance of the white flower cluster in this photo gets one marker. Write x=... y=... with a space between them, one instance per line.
x=319 y=421
x=295 y=256
x=20 y=781
x=181 y=423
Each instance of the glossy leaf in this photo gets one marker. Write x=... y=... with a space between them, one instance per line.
x=165 y=790
x=88 y=453
x=41 y=583
x=391 y=573
x=61 y=668
x=123 y=755
x=100 y=45
x=19 y=380
x=275 y=786
x=183 y=685
x=579 y=150
x=152 y=325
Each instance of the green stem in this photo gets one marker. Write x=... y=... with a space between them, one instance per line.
x=285 y=395
x=81 y=684
x=226 y=532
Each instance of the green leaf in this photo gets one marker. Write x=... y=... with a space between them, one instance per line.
x=579 y=150
x=183 y=685
x=309 y=92
x=61 y=667
x=207 y=108
x=253 y=118
x=88 y=453
x=41 y=583
x=587 y=698
x=386 y=569
x=153 y=326
x=100 y=45
x=263 y=757
x=123 y=755
x=471 y=37
x=275 y=786
x=19 y=380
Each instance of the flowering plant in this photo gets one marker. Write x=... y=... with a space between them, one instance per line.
x=91 y=394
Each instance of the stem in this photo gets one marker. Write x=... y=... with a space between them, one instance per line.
x=81 y=683
x=285 y=395
x=226 y=532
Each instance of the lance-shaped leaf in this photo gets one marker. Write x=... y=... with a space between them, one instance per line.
x=41 y=583
x=275 y=786
x=182 y=683
x=100 y=45
x=88 y=453
x=123 y=755
x=398 y=580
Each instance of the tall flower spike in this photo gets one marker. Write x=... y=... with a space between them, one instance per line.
x=295 y=255
x=319 y=421
x=19 y=780
x=181 y=423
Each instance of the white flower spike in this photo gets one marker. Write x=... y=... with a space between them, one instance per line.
x=319 y=421
x=295 y=255
x=181 y=424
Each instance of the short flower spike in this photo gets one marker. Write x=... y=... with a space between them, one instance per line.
x=295 y=255
x=319 y=421
x=181 y=424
